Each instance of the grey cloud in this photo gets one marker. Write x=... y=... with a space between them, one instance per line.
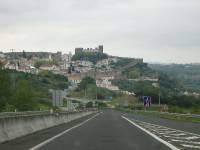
x=142 y=28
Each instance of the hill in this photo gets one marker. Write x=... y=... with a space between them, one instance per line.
x=187 y=74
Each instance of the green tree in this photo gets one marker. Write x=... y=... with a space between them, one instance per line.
x=24 y=96
x=134 y=74
x=89 y=105
x=5 y=90
x=1 y=64
x=90 y=56
x=87 y=81
x=85 y=84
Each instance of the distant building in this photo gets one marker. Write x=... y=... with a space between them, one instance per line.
x=57 y=56
x=67 y=57
x=98 y=49
x=48 y=67
x=101 y=48
x=105 y=82
x=83 y=63
x=12 y=66
x=128 y=93
x=66 y=61
x=75 y=79
x=28 y=69
x=104 y=62
x=77 y=50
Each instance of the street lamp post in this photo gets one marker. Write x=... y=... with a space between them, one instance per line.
x=159 y=97
x=95 y=81
x=158 y=86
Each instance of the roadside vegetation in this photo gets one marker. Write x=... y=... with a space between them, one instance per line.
x=25 y=92
x=168 y=86
x=164 y=115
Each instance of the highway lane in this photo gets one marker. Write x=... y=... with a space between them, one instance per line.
x=26 y=142
x=112 y=130
x=108 y=131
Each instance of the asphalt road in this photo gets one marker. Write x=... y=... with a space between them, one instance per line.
x=110 y=130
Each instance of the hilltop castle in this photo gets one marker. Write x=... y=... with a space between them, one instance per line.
x=98 y=49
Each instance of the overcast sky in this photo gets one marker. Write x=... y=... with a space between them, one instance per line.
x=156 y=30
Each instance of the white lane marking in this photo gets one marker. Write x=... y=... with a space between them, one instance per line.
x=178 y=134
x=183 y=141
x=163 y=128
x=183 y=138
x=153 y=135
x=164 y=133
x=62 y=133
x=190 y=146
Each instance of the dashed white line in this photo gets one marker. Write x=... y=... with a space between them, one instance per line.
x=166 y=129
x=168 y=132
x=183 y=138
x=183 y=141
x=62 y=133
x=153 y=135
x=190 y=146
x=178 y=134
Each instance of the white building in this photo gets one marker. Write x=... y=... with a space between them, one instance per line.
x=86 y=63
x=48 y=67
x=101 y=63
x=65 y=65
x=83 y=63
x=67 y=57
x=75 y=79
x=128 y=93
x=28 y=69
x=11 y=66
x=105 y=82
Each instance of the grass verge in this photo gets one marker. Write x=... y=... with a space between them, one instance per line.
x=170 y=116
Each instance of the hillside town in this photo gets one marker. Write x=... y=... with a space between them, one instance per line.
x=63 y=64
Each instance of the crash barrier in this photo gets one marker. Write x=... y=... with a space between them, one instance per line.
x=20 y=124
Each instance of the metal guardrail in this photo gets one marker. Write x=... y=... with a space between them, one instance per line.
x=36 y=113
x=81 y=100
x=26 y=113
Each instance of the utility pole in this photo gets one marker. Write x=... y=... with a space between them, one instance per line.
x=159 y=94
x=159 y=97
x=95 y=81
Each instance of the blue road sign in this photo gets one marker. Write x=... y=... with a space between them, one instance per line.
x=147 y=101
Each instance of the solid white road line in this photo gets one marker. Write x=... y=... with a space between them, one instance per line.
x=62 y=133
x=151 y=134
